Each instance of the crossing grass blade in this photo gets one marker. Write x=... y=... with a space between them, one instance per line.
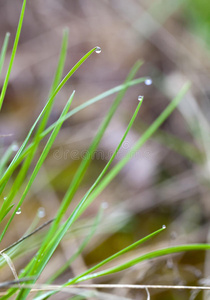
x=87 y=159
x=39 y=163
x=52 y=241
x=81 y=247
x=27 y=163
x=100 y=97
x=104 y=262
x=143 y=139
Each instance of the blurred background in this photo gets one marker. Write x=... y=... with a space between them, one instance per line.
x=167 y=182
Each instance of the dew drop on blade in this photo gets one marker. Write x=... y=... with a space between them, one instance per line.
x=18 y=212
x=140 y=98
x=5 y=198
x=164 y=227
x=98 y=50
x=41 y=212
x=148 y=81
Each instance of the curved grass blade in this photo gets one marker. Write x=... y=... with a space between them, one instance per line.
x=147 y=256
x=118 y=254
x=6 y=81
x=107 y=260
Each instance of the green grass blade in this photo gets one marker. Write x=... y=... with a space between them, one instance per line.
x=61 y=62
x=87 y=159
x=148 y=133
x=118 y=254
x=79 y=209
x=93 y=229
x=100 y=97
x=52 y=241
x=55 y=84
x=96 y=99
x=147 y=256
x=39 y=164
x=4 y=50
x=5 y=158
x=36 y=140
x=70 y=73
x=6 y=81
x=58 y=235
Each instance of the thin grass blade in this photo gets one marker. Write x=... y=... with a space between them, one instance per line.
x=6 y=81
x=148 y=133
x=147 y=256
x=39 y=163
x=4 y=50
x=100 y=97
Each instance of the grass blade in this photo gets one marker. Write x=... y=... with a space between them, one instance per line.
x=118 y=254
x=4 y=50
x=100 y=97
x=53 y=240
x=147 y=256
x=81 y=247
x=6 y=81
x=148 y=133
x=47 y=106
x=86 y=161
x=39 y=164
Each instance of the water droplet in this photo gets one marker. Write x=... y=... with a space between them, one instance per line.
x=41 y=212
x=5 y=198
x=104 y=205
x=140 y=98
x=15 y=147
x=148 y=81
x=98 y=50
x=18 y=212
x=164 y=227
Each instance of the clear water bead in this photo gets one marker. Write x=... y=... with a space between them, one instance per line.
x=5 y=198
x=41 y=212
x=98 y=50
x=148 y=81
x=18 y=212
x=164 y=227
x=140 y=98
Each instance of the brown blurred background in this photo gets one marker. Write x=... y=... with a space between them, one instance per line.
x=167 y=182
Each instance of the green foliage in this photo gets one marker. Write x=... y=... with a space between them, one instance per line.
x=197 y=13
x=26 y=159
